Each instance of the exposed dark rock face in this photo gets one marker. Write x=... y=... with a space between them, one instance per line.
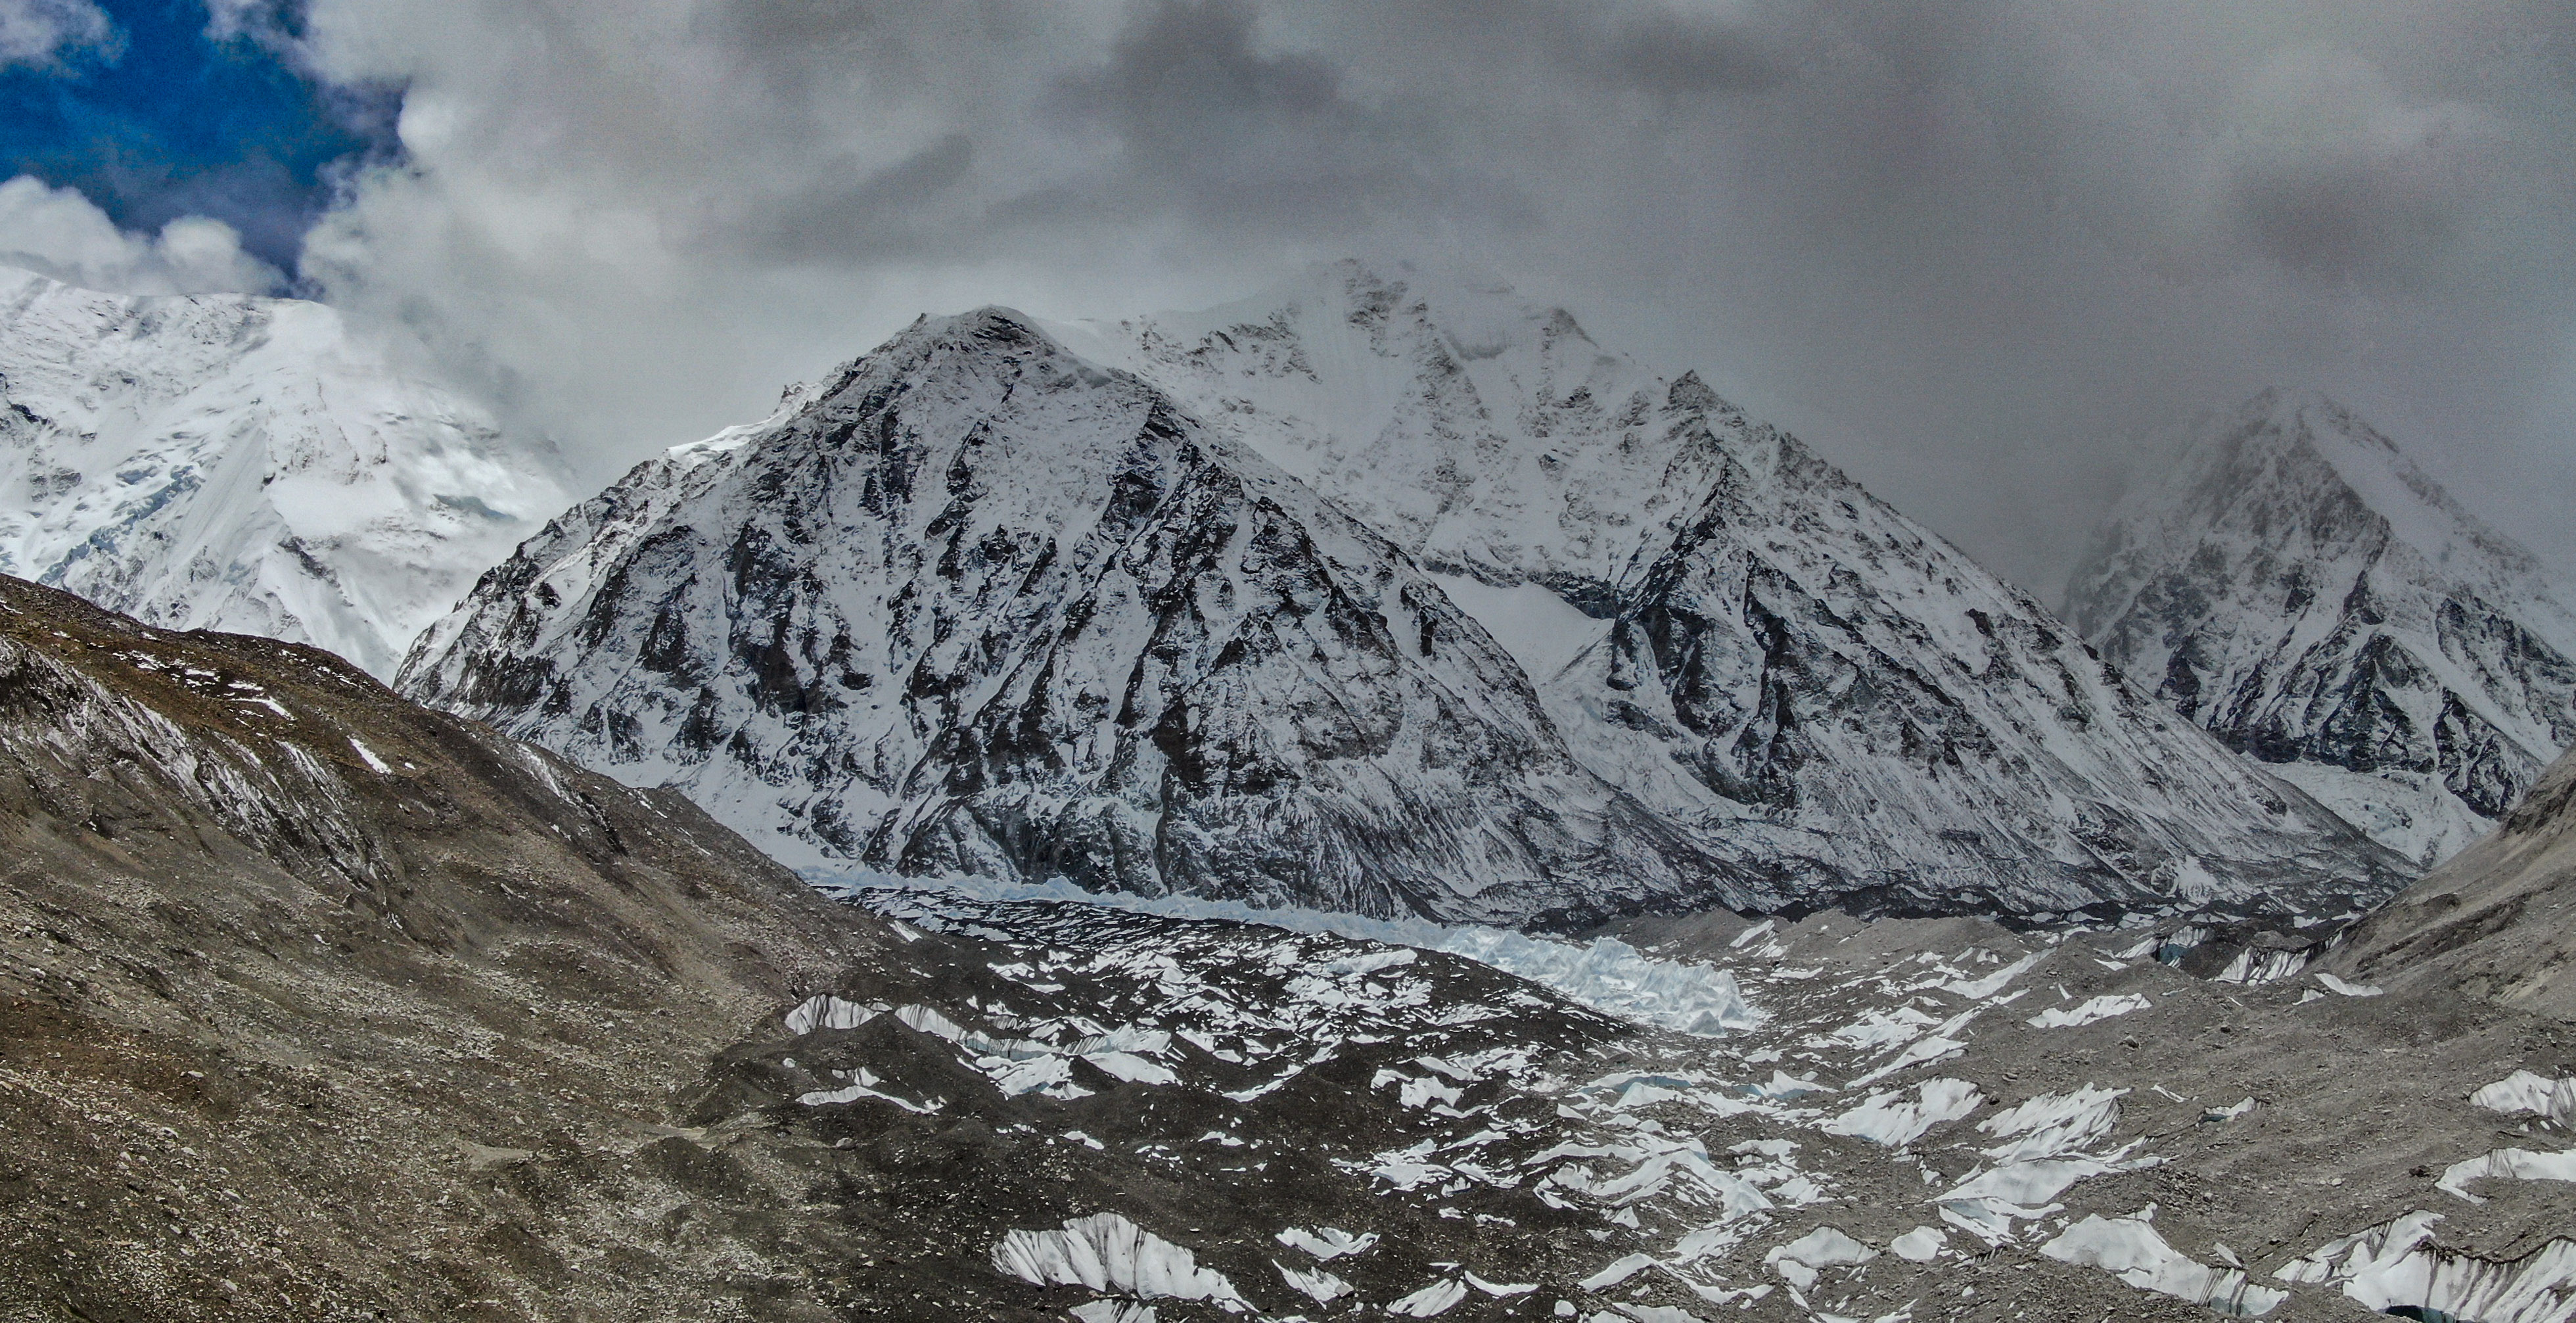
x=2310 y=597
x=979 y=606
x=1728 y=628
x=1914 y=736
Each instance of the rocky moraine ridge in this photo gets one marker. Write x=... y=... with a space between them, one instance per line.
x=1362 y=600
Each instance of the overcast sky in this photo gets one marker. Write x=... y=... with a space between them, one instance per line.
x=1969 y=248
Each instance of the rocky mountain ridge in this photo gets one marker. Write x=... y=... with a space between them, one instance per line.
x=977 y=606
x=1724 y=624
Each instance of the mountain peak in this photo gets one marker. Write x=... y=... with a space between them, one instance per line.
x=2325 y=476
x=1360 y=597
x=983 y=607
x=2299 y=587
x=244 y=463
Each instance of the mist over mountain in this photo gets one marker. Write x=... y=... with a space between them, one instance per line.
x=220 y=461
x=2297 y=586
x=1383 y=659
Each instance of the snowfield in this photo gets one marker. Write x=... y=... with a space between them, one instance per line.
x=247 y=464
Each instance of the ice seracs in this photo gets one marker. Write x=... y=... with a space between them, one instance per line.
x=2301 y=589
x=1108 y=1253
x=2130 y=1248
x=2397 y=1265
x=2527 y=1093
x=247 y=464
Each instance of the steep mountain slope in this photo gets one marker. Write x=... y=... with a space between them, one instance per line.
x=304 y=983
x=242 y=463
x=2497 y=921
x=2302 y=590
x=976 y=605
x=1731 y=630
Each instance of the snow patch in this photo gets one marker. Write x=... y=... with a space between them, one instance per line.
x=2092 y=1009
x=1888 y=1118
x=2342 y=988
x=1110 y=1254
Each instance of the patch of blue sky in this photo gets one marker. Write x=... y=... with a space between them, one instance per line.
x=170 y=120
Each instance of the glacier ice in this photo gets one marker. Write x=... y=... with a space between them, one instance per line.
x=1108 y=1253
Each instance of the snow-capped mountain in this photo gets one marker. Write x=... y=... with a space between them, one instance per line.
x=1727 y=627
x=245 y=464
x=976 y=605
x=979 y=605
x=2298 y=587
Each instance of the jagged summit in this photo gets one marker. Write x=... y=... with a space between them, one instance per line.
x=1721 y=621
x=1358 y=603
x=977 y=605
x=2300 y=588
x=240 y=463
x=1486 y=434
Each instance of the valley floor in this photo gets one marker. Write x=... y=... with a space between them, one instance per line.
x=1050 y=1109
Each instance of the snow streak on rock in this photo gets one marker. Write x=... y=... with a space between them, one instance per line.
x=242 y=464
x=1731 y=630
x=2301 y=589
x=977 y=606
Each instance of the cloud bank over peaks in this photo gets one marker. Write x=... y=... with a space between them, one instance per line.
x=1967 y=248
x=58 y=232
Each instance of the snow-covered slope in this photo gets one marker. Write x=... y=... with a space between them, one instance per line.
x=1486 y=435
x=244 y=464
x=1731 y=630
x=2301 y=589
x=976 y=605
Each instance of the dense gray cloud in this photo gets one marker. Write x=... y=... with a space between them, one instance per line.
x=1973 y=248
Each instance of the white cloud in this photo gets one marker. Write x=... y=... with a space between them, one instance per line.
x=60 y=233
x=40 y=33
